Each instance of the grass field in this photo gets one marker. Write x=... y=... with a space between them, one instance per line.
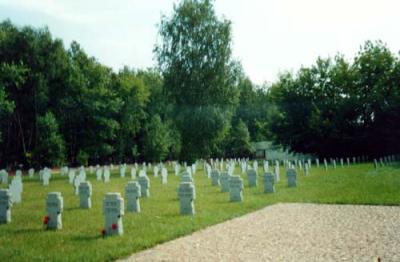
x=80 y=240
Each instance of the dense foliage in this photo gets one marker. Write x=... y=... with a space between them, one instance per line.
x=59 y=105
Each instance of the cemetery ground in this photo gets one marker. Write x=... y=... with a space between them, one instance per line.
x=159 y=221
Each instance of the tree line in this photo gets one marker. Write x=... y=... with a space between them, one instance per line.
x=58 y=105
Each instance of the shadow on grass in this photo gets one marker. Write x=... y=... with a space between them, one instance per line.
x=28 y=230
x=87 y=238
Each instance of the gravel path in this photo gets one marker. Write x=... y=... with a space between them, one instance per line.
x=292 y=232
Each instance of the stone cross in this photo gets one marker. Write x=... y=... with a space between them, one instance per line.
x=277 y=174
x=16 y=189
x=156 y=171
x=71 y=176
x=133 y=173
x=113 y=210
x=106 y=174
x=122 y=171
x=99 y=174
x=269 y=183
x=5 y=206
x=144 y=183
x=177 y=169
x=224 y=180
x=252 y=177
x=132 y=194
x=4 y=176
x=235 y=188
x=31 y=172
x=77 y=182
x=54 y=207
x=164 y=176
x=85 y=193
x=215 y=177
x=291 y=177
x=306 y=169
x=186 y=195
x=46 y=177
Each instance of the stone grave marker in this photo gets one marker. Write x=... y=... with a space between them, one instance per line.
x=156 y=170
x=325 y=165
x=277 y=174
x=164 y=176
x=341 y=162
x=85 y=193
x=375 y=164
x=46 y=177
x=252 y=177
x=334 y=164
x=4 y=176
x=235 y=188
x=317 y=162
x=215 y=177
x=186 y=195
x=106 y=174
x=291 y=177
x=269 y=183
x=132 y=194
x=5 y=206
x=71 y=176
x=348 y=161
x=113 y=210
x=133 y=172
x=77 y=182
x=99 y=174
x=16 y=189
x=224 y=180
x=54 y=207
x=306 y=169
x=31 y=172
x=144 y=183
x=122 y=171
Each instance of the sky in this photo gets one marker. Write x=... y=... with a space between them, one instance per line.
x=269 y=36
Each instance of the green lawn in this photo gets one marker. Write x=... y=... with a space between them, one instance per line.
x=79 y=240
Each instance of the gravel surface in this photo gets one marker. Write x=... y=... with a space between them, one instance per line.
x=292 y=232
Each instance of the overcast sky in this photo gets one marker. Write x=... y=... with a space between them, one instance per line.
x=269 y=36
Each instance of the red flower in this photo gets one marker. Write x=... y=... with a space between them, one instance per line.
x=103 y=232
x=114 y=226
x=46 y=220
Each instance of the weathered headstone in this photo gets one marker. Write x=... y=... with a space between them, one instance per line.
x=54 y=207
x=164 y=176
x=325 y=165
x=317 y=162
x=133 y=172
x=306 y=169
x=122 y=170
x=5 y=206
x=4 y=176
x=375 y=164
x=215 y=177
x=224 y=180
x=106 y=174
x=186 y=195
x=71 y=176
x=46 y=177
x=113 y=210
x=252 y=177
x=132 y=194
x=235 y=188
x=291 y=177
x=99 y=174
x=334 y=164
x=16 y=190
x=144 y=183
x=269 y=183
x=85 y=193
x=277 y=174
x=31 y=172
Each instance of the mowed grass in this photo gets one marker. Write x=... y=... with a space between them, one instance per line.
x=26 y=240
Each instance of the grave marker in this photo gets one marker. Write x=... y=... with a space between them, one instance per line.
x=235 y=188
x=269 y=183
x=132 y=194
x=252 y=177
x=186 y=195
x=5 y=206
x=85 y=193
x=291 y=177
x=54 y=207
x=113 y=210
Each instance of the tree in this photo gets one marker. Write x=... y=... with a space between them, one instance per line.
x=239 y=144
x=50 y=147
x=157 y=140
x=194 y=57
